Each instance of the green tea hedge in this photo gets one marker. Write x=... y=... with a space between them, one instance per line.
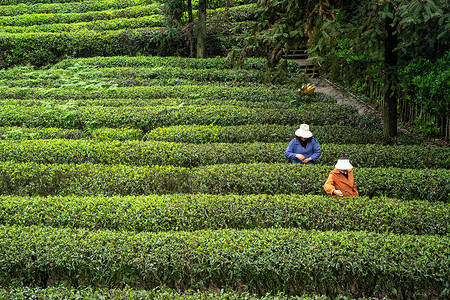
x=27 y=179
x=188 y=212
x=45 y=48
x=134 y=76
x=271 y=133
x=426 y=184
x=158 y=61
x=259 y=261
x=101 y=25
x=193 y=155
x=252 y=94
x=89 y=16
x=89 y=179
x=147 y=118
x=168 y=102
x=71 y=293
x=34 y=2
x=9 y=8
x=100 y=134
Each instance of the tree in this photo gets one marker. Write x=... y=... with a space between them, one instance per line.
x=201 y=29
x=402 y=29
x=376 y=31
x=280 y=26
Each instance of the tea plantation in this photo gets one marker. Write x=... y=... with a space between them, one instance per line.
x=145 y=177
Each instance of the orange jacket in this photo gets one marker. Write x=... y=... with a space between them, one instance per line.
x=337 y=181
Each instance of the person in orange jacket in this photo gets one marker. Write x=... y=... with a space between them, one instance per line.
x=340 y=181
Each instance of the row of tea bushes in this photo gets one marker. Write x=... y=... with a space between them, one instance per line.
x=49 y=2
x=14 y=9
x=40 y=19
x=147 y=118
x=100 y=134
x=427 y=184
x=210 y=92
x=101 y=25
x=71 y=293
x=193 y=155
x=270 y=133
x=235 y=14
x=88 y=179
x=139 y=75
x=201 y=134
x=170 y=61
x=187 y=212
x=266 y=260
x=28 y=179
x=198 y=134
x=177 y=102
x=44 y=48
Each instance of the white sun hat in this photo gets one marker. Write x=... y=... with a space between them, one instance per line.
x=343 y=164
x=303 y=131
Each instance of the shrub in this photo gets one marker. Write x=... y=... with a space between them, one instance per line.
x=251 y=94
x=259 y=261
x=71 y=293
x=49 y=18
x=146 y=118
x=100 y=134
x=112 y=151
x=427 y=184
x=100 y=25
x=14 y=9
x=269 y=133
x=89 y=179
x=26 y=179
x=187 y=212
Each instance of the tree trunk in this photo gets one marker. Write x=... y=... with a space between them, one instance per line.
x=201 y=29
x=191 y=20
x=390 y=95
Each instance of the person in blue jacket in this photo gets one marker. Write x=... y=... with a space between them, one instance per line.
x=303 y=149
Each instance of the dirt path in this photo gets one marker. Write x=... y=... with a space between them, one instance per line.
x=342 y=97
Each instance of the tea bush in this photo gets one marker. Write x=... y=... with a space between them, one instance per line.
x=188 y=212
x=270 y=133
x=147 y=118
x=27 y=179
x=71 y=293
x=193 y=155
x=266 y=260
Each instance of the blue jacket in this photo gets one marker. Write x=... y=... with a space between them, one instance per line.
x=312 y=150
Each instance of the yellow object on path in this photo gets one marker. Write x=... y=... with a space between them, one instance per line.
x=307 y=88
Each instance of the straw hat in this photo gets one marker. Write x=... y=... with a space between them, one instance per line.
x=303 y=131
x=343 y=164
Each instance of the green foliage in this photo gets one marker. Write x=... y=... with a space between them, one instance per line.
x=11 y=9
x=156 y=61
x=272 y=133
x=100 y=134
x=193 y=155
x=426 y=184
x=88 y=179
x=41 y=19
x=427 y=87
x=146 y=118
x=187 y=212
x=71 y=94
x=70 y=293
x=351 y=46
x=102 y=25
x=277 y=260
